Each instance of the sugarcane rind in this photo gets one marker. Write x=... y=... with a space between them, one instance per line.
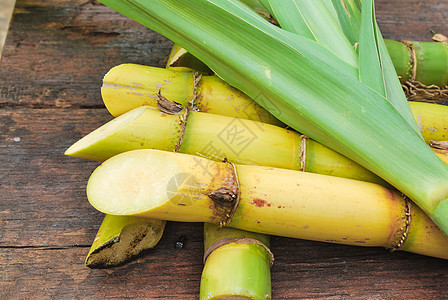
x=404 y=230
x=237 y=240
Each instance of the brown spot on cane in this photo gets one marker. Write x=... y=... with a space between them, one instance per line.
x=223 y=197
x=258 y=202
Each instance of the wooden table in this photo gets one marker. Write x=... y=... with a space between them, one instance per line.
x=54 y=58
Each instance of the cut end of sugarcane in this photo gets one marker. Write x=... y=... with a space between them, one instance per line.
x=134 y=182
x=133 y=240
x=83 y=147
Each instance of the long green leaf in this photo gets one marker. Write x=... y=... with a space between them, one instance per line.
x=311 y=19
x=376 y=67
x=288 y=75
x=349 y=16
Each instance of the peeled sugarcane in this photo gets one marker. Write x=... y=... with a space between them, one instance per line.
x=236 y=264
x=175 y=186
x=128 y=86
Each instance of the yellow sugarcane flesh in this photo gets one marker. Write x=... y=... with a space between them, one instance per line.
x=183 y=187
x=272 y=201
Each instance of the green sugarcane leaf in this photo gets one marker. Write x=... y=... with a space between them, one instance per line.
x=375 y=65
x=370 y=71
x=311 y=19
x=394 y=90
x=306 y=87
x=349 y=17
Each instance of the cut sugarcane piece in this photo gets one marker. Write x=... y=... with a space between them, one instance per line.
x=218 y=137
x=180 y=60
x=237 y=264
x=219 y=98
x=128 y=86
x=174 y=186
x=120 y=238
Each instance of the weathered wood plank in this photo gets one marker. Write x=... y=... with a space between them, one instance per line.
x=55 y=56
x=47 y=227
x=57 y=53
x=412 y=19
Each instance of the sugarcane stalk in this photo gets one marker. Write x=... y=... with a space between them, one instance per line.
x=237 y=264
x=219 y=137
x=207 y=135
x=175 y=186
x=424 y=62
x=128 y=86
x=121 y=238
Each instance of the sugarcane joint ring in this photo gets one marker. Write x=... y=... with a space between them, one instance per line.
x=237 y=240
x=303 y=146
x=407 y=224
x=227 y=198
x=196 y=79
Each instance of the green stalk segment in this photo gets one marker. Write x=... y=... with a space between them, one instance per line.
x=424 y=62
x=401 y=57
x=216 y=137
x=120 y=238
x=237 y=264
x=431 y=63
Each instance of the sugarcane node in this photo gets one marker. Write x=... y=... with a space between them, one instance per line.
x=407 y=224
x=237 y=240
x=223 y=197
x=227 y=199
x=413 y=56
x=167 y=106
x=442 y=145
x=183 y=126
x=196 y=79
x=303 y=145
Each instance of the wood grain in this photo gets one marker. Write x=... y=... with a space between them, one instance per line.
x=54 y=58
